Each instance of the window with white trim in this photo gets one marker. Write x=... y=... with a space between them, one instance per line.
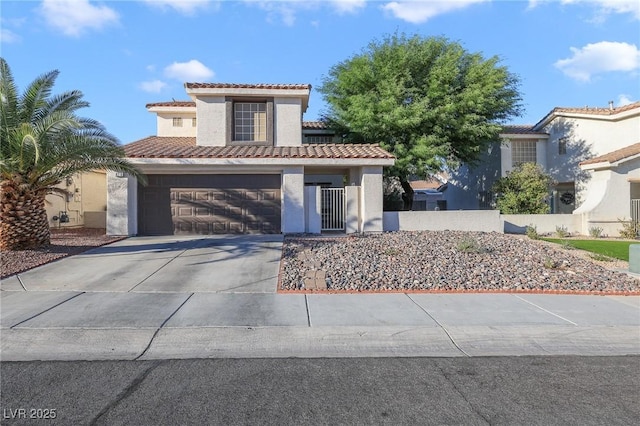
x=523 y=152
x=177 y=121
x=193 y=122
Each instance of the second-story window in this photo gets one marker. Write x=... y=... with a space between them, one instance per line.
x=250 y=121
x=523 y=152
x=562 y=146
x=193 y=122
x=177 y=121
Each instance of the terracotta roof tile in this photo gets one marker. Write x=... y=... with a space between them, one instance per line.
x=245 y=86
x=598 y=110
x=172 y=104
x=314 y=125
x=617 y=155
x=185 y=147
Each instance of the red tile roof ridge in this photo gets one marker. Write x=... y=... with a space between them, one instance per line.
x=613 y=156
x=171 y=104
x=193 y=85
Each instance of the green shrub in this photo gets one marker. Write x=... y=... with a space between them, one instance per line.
x=629 y=229
x=549 y=263
x=561 y=231
x=595 y=232
x=601 y=257
x=470 y=245
x=532 y=232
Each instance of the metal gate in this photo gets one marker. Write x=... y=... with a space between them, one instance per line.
x=333 y=209
x=635 y=210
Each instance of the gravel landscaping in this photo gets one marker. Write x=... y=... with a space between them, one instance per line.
x=444 y=261
x=64 y=242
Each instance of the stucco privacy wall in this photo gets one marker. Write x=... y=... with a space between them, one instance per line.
x=292 y=206
x=609 y=197
x=446 y=220
x=122 y=205
x=544 y=223
x=371 y=199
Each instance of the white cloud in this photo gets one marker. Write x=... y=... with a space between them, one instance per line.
x=418 y=12
x=154 y=86
x=185 y=7
x=8 y=36
x=603 y=7
x=348 y=6
x=601 y=57
x=606 y=7
x=192 y=71
x=285 y=11
x=624 y=100
x=74 y=17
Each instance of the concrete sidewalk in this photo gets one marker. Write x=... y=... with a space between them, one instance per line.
x=77 y=325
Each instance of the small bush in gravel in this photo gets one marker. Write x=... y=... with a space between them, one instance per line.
x=532 y=232
x=562 y=232
x=600 y=257
x=549 y=263
x=595 y=232
x=470 y=245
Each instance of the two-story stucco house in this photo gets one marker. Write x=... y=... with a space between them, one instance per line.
x=232 y=160
x=559 y=142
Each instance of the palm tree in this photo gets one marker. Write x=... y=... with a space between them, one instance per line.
x=43 y=142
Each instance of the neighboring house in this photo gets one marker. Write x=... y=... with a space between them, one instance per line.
x=559 y=142
x=232 y=160
x=84 y=204
x=613 y=192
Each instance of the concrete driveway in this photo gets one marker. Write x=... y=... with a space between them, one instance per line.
x=170 y=297
x=235 y=264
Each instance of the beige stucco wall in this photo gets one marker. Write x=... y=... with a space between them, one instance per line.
x=87 y=197
x=211 y=115
x=609 y=197
x=165 y=124
x=460 y=220
x=287 y=121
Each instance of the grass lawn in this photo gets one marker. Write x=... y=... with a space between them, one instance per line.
x=617 y=249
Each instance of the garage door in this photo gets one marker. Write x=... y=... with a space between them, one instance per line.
x=209 y=204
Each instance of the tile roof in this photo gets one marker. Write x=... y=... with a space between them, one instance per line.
x=185 y=147
x=595 y=111
x=314 y=125
x=172 y=104
x=598 y=110
x=245 y=86
x=617 y=155
x=520 y=130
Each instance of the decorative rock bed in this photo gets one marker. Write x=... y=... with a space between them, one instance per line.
x=441 y=261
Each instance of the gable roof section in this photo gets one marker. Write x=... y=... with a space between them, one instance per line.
x=611 y=158
x=177 y=104
x=595 y=112
x=185 y=147
x=247 y=86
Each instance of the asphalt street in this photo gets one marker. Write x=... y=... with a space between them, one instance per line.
x=470 y=391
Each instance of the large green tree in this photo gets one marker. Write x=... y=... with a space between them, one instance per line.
x=428 y=101
x=524 y=190
x=42 y=142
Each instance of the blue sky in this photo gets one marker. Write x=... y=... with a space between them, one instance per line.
x=125 y=54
